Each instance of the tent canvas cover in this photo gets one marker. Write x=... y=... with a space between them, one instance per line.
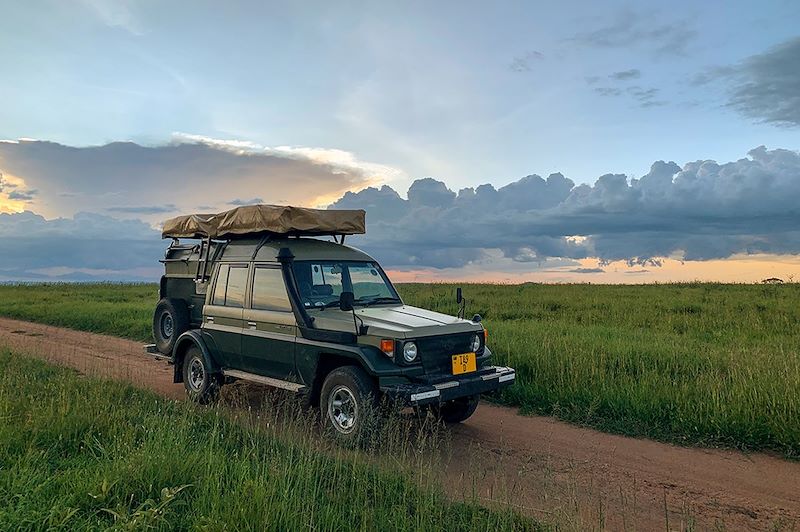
x=275 y=219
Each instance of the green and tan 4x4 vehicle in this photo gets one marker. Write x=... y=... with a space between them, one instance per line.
x=260 y=296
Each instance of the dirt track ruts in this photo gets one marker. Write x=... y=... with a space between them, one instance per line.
x=558 y=472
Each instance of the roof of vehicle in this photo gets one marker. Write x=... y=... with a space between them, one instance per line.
x=251 y=220
x=302 y=249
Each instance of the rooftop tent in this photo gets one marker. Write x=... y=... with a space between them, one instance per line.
x=275 y=219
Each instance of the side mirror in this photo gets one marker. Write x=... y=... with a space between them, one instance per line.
x=347 y=301
x=459 y=296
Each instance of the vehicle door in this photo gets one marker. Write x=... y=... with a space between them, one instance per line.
x=223 y=315
x=268 y=340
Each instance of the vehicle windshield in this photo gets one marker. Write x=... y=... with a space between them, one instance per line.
x=320 y=283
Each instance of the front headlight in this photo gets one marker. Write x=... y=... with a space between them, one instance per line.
x=476 y=342
x=410 y=352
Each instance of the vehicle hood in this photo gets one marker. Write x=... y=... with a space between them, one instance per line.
x=397 y=321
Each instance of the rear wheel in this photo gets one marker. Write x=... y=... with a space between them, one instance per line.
x=170 y=320
x=457 y=410
x=201 y=385
x=348 y=402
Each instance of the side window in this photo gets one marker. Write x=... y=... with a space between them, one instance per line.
x=269 y=292
x=237 y=284
x=219 y=288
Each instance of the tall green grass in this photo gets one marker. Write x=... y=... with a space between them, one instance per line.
x=81 y=453
x=710 y=364
x=699 y=363
x=124 y=310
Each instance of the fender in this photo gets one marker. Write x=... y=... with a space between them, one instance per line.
x=192 y=336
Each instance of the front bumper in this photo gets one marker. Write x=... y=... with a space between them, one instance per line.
x=487 y=379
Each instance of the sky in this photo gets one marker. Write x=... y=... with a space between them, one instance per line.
x=506 y=141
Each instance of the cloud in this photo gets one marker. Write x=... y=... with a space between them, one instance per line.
x=629 y=29
x=84 y=247
x=145 y=209
x=625 y=75
x=189 y=171
x=608 y=91
x=525 y=63
x=22 y=195
x=586 y=270
x=252 y=201
x=703 y=210
x=643 y=97
x=766 y=87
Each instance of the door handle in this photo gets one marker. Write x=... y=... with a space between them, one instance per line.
x=210 y=318
x=252 y=324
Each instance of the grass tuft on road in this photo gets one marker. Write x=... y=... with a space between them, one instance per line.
x=80 y=453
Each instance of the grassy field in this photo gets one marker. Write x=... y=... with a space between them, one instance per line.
x=80 y=453
x=706 y=364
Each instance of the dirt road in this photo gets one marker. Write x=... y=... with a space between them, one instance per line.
x=580 y=478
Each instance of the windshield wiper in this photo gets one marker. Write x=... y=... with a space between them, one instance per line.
x=329 y=304
x=375 y=300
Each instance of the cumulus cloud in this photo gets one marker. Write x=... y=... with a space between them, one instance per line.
x=84 y=247
x=703 y=210
x=124 y=176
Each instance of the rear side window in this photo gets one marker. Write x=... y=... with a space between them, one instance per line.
x=230 y=287
x=237 y=284
x=269 y=292
x=222 y=283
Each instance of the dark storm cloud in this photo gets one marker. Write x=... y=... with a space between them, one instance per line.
x=86 y=246
x=630 y=28
x=626 y=75
x=703 y=210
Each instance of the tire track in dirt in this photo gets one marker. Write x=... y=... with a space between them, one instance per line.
x=578 y=477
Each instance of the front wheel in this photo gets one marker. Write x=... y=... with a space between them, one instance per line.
x=457 y=410
x=348 y=401
x=201 y=385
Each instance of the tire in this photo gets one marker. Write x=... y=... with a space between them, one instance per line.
x=170 y=320
x=201 y=385
x=357 y=399
x=457 y=410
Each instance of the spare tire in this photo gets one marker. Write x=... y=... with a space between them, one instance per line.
x=170 y=320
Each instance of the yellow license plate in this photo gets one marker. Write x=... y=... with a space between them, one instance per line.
x=463 y=363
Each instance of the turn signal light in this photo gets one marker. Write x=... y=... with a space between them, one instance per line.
x=387 y=346
x=485 y=336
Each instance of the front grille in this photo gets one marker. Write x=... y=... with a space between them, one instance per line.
x=435 y=352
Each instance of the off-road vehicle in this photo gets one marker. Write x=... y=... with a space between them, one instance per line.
x=272 y=295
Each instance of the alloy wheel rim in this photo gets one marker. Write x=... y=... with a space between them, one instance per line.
x=343 y=409
x=197 y=374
